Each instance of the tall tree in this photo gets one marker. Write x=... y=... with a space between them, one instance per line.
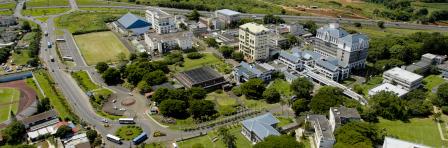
x=442 y=94
x=111 y=76
x=228 y=139
x=43 y=105
x=326 y=97
x=300 y=106
x=253 y=89
x=194 y=15
x=389 y=106
x=173 y=108
x=101 y=67
x=271 y=95
x=302 y=87
x=358 y=134
x=14 y=133
x=202 y=109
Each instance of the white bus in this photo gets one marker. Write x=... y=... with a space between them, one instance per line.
x=126 y=121
x=113 y=138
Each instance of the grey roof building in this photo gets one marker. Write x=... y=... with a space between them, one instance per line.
x=341 y=115
x=258 y=128
x=333 y=41
x=246 y=71
x=204 y=77
x=323 y=136
x=135 y=24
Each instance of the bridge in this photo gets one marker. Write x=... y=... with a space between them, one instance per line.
x=326 y=81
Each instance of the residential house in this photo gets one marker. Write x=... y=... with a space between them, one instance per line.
x=260 y=127
x=400 y=77
x=342 y=115
x=323 y=135
x=76 y=141
x=130 y=24
x=254 y=41
x=246 y=71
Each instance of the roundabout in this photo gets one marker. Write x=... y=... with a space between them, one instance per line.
x=128 y=132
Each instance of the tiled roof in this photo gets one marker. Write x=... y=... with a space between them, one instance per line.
x=262 y=125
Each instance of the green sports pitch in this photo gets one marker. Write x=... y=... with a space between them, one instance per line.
x=9 y=101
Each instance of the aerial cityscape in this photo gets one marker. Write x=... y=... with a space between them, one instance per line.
x=224 y=73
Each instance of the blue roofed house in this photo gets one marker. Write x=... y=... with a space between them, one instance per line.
x=332 y=68
x=258 y=128
x=298 y=59
x=246 y=71
x=131 y=24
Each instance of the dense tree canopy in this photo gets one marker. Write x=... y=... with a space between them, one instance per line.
x=389 y=106
x=358 y=134
x=283 y=141
x=173 y=108
x=302 y=87
x=226 y=51
x=271 y=95
x=64 y=131
x=145 y=70
x=299 y=106
x=271 y=19
x=101 y=67
x=14 y=133
x=111 y=76
x=202 y=109
x=442 y=94
x=197 y=93
x=327 y=97
x=43 y=105
x=253 y=89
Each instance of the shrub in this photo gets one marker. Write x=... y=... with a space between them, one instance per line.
x=445 y=110
x=194 y=55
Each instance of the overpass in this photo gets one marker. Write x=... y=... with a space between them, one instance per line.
x=326 y=81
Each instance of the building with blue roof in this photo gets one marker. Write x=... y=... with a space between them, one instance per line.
x=131 y=24
x=333 y=41
x=246 y=71
x=329 y=67
x=260 y=127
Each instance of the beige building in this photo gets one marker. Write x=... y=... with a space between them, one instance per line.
x=254 y=41
x=161 y=21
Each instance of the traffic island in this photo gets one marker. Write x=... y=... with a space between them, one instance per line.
x=128 y=132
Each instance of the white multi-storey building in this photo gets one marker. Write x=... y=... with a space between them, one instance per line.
x=163 y=43
x=227 y=16
x=254 y=41
x=323 y=135
x=333 y=41
x=403 y=78
x=161 y=21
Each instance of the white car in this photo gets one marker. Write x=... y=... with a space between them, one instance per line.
x=104 y=120
x=122 y=109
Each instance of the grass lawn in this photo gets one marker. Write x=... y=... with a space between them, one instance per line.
x=222 y=99
x=100 y=47
x=418 y=130
x=283 y=87
x=6 y=12
x=180 y=123
x=84 y=81
x=207 y=59
x=432 y=81
x=128 y=132
x=258 y=104
x=85 y=21
x=375 y=32
x=99 y=2
x=284 y=121
x=42 y=3
x=56 y=98
x=44 y=11
x=206 y=140
x=373 y=82
x=9 y=98
x=11 y=5
x=115 y=10
x=225 y=103
x=42 y=19
x=22 y=58
x=30 y=82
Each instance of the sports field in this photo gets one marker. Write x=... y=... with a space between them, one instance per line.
x=9 y=101
x=42 y=3
x=100 y=47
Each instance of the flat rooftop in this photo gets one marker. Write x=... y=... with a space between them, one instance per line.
x=403 y=74
x=388 y=87
x=397 y=143
x=254 y=27
x=228 y=12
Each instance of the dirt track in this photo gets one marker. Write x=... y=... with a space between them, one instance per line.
x=27 y=94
